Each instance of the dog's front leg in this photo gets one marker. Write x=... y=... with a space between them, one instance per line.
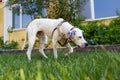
x=54 y=48
x=70 y=49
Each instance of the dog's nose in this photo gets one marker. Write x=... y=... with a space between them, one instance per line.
x=86 y=44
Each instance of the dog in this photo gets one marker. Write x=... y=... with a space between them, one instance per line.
x=55 y=29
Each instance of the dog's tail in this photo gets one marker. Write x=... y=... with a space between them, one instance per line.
x=24 y=40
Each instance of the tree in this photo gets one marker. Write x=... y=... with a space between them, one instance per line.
x=29 y=7
x=67 y=9
x=80 y=7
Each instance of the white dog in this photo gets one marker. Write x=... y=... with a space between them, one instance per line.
x=56 y=29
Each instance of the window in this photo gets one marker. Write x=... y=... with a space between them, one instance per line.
x=106 y=8
x=26 y=19
x=86 y=12
x=100 y=9
x=20 y=20
x=16 y=18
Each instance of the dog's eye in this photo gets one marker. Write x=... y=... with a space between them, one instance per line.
x=79 y=37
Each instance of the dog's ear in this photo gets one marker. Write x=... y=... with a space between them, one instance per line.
x=71 y=34
x=83 y=33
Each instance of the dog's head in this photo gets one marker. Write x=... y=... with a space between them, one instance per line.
x=76 y=35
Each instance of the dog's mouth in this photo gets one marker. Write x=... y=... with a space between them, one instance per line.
x=83 y=46
x=78 y=46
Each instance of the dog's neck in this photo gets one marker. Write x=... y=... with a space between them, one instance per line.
x=66 y=38
x=65 y=28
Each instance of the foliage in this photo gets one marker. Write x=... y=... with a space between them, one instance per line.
x=1 y=42
x=96 y=33
x=69 y=11
x=95 y=65
x=8 y=45
x=29 y=7
x=10 y=29
x=11 y=45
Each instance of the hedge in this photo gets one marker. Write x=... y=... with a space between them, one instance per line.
x=97 y=34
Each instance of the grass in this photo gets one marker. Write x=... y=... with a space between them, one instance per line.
x=94 y=65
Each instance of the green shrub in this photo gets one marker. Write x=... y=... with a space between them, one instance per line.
x=8 y=45
x=11 y=45
x=1 y=42
x=101 y=34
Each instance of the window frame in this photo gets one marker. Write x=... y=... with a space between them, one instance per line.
x=93 y=13
x=20 y=10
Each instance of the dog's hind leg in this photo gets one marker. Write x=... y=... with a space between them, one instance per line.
x=42 y=39
x=31 y=41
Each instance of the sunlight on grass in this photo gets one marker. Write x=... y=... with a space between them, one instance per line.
x=94 y=65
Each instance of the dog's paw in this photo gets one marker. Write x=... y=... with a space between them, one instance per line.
x=66 y=54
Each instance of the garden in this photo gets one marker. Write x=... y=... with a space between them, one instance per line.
x=97 y=64
x=86 y=65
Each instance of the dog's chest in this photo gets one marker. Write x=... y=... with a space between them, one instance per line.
x=63 y=41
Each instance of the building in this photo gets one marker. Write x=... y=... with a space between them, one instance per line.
x=8 y=20
x=1 y=18
x=101 y=9
x=93 y=10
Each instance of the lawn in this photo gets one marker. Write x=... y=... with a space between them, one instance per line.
x=94 y=65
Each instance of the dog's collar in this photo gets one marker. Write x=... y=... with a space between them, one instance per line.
x=72 y=28
x=66 y=40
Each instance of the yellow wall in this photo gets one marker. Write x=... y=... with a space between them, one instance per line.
x=1 y=19
x=18 y=36
x=104 y=21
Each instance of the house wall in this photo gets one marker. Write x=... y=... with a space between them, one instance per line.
x=1 y=19
x=17 y=35
x=7 y=20
x=100 y=21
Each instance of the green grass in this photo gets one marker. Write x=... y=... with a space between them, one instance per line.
x=94 y=65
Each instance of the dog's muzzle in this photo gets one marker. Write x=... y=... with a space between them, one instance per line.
x=83 y=46
x=86 y=44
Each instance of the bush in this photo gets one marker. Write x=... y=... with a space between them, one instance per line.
x=11 y=45
x=1 y=42
x=101 y=34
x=8 y=45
